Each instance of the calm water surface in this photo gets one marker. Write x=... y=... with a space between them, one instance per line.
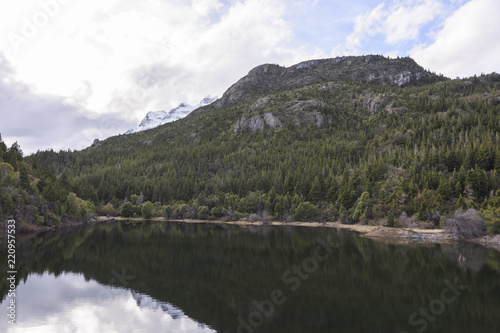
x=171 y=277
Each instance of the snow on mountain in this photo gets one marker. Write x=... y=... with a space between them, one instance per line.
x=148 y=302
x=156 y=118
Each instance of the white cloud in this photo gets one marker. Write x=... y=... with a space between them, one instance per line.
x=365 y=26
x=32 y=118
x=467 y=44
x=124 y=58
x=205 y=7
x=207 y=59
x=397 y=22
x=96 y=45
x=404 y=22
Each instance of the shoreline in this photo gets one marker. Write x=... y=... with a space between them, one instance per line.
x=375 y=232
x=353 y=227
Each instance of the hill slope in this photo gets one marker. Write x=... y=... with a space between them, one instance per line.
x=32 y=196
x=358 y=137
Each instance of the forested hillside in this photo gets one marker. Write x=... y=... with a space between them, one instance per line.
x=377 y=139
x=33 y=196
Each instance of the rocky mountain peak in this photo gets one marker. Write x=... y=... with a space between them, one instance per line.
x=268 y=78
x=266 y=69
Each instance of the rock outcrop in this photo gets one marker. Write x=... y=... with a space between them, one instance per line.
x=257 y=123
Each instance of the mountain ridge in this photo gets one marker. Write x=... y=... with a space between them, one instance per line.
x=371 y=68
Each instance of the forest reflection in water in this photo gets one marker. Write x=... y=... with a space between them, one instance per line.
x=201 y=277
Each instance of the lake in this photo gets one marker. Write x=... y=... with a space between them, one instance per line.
x=176 y=277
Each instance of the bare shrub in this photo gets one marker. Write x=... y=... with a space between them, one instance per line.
x=426 y=225
x=465 y=224
x=433 y=217
x=347 y=220
x=263 y=217
x=254 y=218
x=407 y=222
x=266 y=217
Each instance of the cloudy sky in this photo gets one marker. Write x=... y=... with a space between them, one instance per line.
x=72 y=71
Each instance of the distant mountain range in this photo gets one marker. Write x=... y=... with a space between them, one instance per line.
x=157 y=118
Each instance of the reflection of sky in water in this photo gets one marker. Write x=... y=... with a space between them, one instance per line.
x=68 y=303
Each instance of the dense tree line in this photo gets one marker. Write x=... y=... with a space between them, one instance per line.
x=422 y=152
x=36 y=196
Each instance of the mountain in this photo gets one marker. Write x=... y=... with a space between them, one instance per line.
x=270 y=78
x=351 y=138
x=147 y=302
x=156 y=118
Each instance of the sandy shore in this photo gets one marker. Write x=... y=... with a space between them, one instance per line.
x=354 y=227
x=367 y=230
x=396 y=235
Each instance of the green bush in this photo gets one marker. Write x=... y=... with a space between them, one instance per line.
x=147 y=210
x=78 y=208
x=391 y=222
x=127 y=210
x=203 y=213
x=166 y=211
x=108 y=210
x=491 y=216
x=181 y=211
x=216 y=212
x=305 y=211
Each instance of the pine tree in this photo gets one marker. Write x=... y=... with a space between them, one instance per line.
x=391 y=222
x=64 y=181
x=333 y=190
x=470 y=160
x=363 y=207
x=9 y=205
x=497 y=160
x=24 y=176
x=421 y=213
x=316 y=193
x=14 y=155
x=461 y=204
x=345 y=198
x=3 y=149
x=444 y=190
x=491 y=216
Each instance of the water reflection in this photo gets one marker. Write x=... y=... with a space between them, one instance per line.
x=165 y=273
x=68 y=303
